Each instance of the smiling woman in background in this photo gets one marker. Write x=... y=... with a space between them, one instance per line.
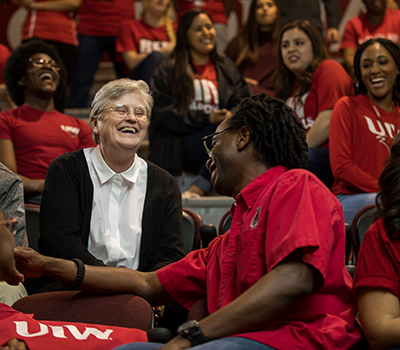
x=363 y=127
x=194 y=90
x=311 y=84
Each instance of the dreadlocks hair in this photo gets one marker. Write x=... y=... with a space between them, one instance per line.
x=277 y=134
x=16 y=64
x=388 y=199
x=393 y=50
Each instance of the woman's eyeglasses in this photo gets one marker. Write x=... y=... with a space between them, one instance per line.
x=40 y=62
x=10 y=224
x=123 y=111
x=205 y=138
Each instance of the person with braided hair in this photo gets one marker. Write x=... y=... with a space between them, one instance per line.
x=276 y=279
x=376 y=280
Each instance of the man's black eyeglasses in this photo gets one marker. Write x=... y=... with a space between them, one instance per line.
x=205 y=138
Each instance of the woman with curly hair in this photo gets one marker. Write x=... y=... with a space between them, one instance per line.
x=311 y=84
x=363 y=127
x=194 y=90
x=35 y=133
x=376 y=281
x=254 y=48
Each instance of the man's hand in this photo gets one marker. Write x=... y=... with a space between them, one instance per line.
x=14 y=344
x=178 y=343
x=29 y=262
x=8 y=271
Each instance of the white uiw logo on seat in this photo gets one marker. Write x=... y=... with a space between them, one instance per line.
x=59 y=331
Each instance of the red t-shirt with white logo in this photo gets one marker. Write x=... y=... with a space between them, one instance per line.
x=39 y=137
x=62 y=335
x=205 y=82
x=330 y=83
x=359 y=144
x=359 y=30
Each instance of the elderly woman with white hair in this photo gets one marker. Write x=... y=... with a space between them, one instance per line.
x=105 y=205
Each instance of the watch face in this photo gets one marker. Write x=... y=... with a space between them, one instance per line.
x=185 y=327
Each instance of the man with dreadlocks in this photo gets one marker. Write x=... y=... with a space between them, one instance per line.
x=277 y=279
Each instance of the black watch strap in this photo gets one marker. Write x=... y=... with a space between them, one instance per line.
x=191 y=331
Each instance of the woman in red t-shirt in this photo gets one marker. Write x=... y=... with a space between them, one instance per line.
x=194 y=90
x=363 y=127
x=143 y=43
x=377 y=277
x=311 y=84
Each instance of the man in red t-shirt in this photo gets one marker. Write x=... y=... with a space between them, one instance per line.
x=277 y=279
x=36 y=132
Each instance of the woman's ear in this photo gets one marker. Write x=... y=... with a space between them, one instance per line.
x=95 y=125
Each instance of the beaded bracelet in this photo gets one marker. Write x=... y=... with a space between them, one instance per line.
x=80 y=275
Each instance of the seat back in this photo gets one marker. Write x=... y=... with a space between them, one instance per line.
x=199 y=310
x=122 y=310
x=360 y=225
x=225 y=223
x=191 y=230
x=32 y=213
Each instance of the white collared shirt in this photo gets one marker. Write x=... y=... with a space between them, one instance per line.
x=117 y=210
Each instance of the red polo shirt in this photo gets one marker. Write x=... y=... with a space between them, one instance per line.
x=278 y=213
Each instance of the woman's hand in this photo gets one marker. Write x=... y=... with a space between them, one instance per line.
x=219 y=115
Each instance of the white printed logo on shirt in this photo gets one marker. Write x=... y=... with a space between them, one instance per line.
x=298 y=108
x=73 y=131
x=205 y=96
x=148 y=45
x=381 y=131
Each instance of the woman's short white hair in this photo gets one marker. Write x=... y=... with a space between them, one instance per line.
x=115 y=89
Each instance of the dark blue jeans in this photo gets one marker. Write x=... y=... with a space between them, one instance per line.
x=231 y=343
x=91 y=49
x=318 y=164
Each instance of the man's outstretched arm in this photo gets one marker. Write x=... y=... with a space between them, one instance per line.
x=97 y=279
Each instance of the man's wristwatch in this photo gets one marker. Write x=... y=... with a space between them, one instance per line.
x=191 y=331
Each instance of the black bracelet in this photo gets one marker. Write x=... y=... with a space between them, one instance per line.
x=80 y=275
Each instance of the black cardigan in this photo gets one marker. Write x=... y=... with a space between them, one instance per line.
x=66 y=211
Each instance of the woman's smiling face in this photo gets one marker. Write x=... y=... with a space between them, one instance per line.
x=378 y=71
